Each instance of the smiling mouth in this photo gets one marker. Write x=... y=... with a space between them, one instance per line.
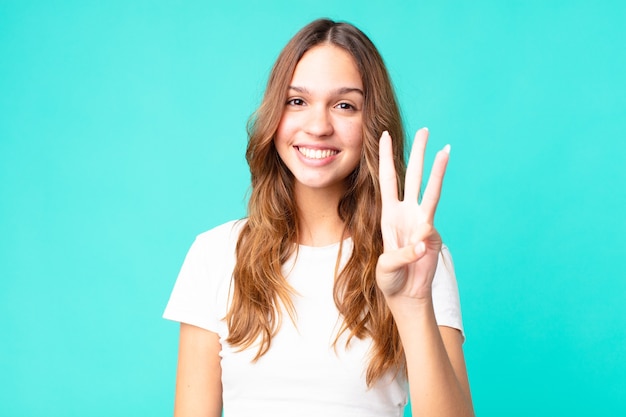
x=316 y=153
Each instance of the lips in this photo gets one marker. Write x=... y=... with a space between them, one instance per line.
x=316 y=153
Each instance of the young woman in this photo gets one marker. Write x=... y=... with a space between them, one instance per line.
x=336 y=290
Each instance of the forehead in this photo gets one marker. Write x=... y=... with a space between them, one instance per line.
x=327 y=66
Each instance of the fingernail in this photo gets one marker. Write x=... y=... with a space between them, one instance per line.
x=425 y=128
x=420 y=248
x=446 y=149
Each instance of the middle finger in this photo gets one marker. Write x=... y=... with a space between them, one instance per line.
x=415 y=167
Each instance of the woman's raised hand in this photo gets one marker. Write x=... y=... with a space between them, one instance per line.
x=407 y=266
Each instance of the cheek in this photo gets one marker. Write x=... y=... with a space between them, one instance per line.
x=353 y=132
x=284 y=130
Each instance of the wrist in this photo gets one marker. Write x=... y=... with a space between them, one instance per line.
x=409 y=308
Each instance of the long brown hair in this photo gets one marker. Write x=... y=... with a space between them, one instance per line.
x=270 y=234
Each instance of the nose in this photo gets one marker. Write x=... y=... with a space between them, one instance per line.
x=319 y=122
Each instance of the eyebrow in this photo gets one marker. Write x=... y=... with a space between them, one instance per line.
x=338 y=91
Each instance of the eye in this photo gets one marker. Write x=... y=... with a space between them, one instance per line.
x=345 y=106
x=295 y=102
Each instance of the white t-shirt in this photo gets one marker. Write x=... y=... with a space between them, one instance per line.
x=302 y=374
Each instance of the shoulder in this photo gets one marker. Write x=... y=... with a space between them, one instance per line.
x=446 y=300
x=200 y=291
x=223 y=233
x=445 y=275
x=220 y=239
x=211 y=257
x=445 y=261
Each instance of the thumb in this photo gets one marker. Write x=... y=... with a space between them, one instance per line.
x=394 y=260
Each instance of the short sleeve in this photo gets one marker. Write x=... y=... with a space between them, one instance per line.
x=208 y=266
x=446 y=299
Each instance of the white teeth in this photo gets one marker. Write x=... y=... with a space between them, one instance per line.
x=317 y=153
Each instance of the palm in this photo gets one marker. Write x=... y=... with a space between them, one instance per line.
x=401 y=270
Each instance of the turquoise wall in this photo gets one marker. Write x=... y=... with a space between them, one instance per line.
x=122 y=133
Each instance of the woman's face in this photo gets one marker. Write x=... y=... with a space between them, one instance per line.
x=319 y=137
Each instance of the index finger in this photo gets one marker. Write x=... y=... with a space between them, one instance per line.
x=387 y=170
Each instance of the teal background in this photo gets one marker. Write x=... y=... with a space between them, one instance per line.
x=122 y=134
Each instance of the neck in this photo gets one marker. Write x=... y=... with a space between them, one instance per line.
x=318 y=219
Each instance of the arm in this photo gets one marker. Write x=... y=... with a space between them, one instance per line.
x=436 y=368
x=405 y=271
x=199 y=375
